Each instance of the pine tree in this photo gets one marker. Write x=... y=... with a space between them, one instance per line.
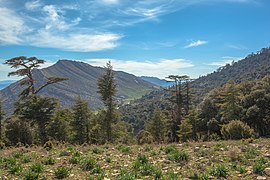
x=107 y=89
x=59 y=128
x=157 y=126
x=181 y=101
x=26 y=65
x=1 y=118
x=80 y=123
x=38 y=110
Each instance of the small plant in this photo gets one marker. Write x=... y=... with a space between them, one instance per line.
x=179 y=156
x=30 y=175
x=97 y=170
x=172 y=176
x=38 y=168
x=108 y=159
x=258 y=168
x=9 y=161
x=142 y=159
x=168 y=149
x=97 y=150
x=49 y=161
x=242 y=169
x=250 y=153
x=15 y=169
x=158 y=174
x=74 y=160
x=148 y=147
x=219 y=171
x=88 y=164
x=17 y=155
x=123 y=148
x=26 y=159
x=126 y=175
x=199 y=177
x=147 y=170
x=61 y=172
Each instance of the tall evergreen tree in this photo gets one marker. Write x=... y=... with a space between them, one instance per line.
x=107 y=89
x=81 y=122
x=181 y=106
x=38 y=110
x=157 y=126
x=59 y=127
x=1 y=119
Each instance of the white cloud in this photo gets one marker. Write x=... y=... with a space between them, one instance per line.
x=11 y=27
x=110 y=2
x=196 y=43
x=225 y=60
x=161 y=68
x=237 y=47
x=77 y=41
x=33 y=5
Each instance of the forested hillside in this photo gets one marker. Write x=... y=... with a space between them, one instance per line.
x=251 y=68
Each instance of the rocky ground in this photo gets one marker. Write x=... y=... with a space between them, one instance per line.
x=245 y=159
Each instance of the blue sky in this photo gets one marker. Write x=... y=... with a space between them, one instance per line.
x=143 y=37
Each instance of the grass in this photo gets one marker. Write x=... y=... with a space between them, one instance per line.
x=202 y=161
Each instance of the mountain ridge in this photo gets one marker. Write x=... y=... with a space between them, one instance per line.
x=82 y=82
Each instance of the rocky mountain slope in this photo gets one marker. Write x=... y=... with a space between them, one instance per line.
x=82 y=82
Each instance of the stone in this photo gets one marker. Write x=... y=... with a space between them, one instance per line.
x=261 y=178
x=267 y=171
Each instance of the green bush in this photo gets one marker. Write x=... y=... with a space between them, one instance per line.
x=178 y=156
x=48 y=145
x=30 y=175
x=61 y=172
x=219 y=171
x=15 y=169
x=49 y=161
x=38 y=168
x=126 y=175
x=74 y=160
x=236 y=129
x=168 y=149
x=88 y=164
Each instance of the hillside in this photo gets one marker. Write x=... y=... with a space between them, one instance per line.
x=253 y=67
x=82 y=82
x=6 y=83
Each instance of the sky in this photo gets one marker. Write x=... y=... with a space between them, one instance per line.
x=143 y=37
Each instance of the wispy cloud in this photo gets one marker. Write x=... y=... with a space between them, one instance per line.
x=225 y=60
x=159 y=68
x=237 y=47
x=196 y=43
x=76 y=42
x=33 y=5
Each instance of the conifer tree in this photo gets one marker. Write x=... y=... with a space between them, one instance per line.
x=181 y=106
x=37 y=110
x=80 y=123
x=107 y=90
x=59 y=127
x=157 y=126
x=25 y=66
x=1 y=118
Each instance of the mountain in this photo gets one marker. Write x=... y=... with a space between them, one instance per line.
x=253 y=67
x=82 y=82
x=157 y=81
x=6 y=83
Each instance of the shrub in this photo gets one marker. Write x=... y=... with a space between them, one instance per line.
x=74 y=160
x=126 y=175
x=236 y=129
x=219 y=171
x=61 y=172
x=26 y=159
x=108 y=159
x=168 y=149
x=172 y=176
x=97 y=169
x=88 y=164
x=49 y=161
x=178 y=156
x=97 y=150
x=30 y=175
x=15 y=169
x=38 y=168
